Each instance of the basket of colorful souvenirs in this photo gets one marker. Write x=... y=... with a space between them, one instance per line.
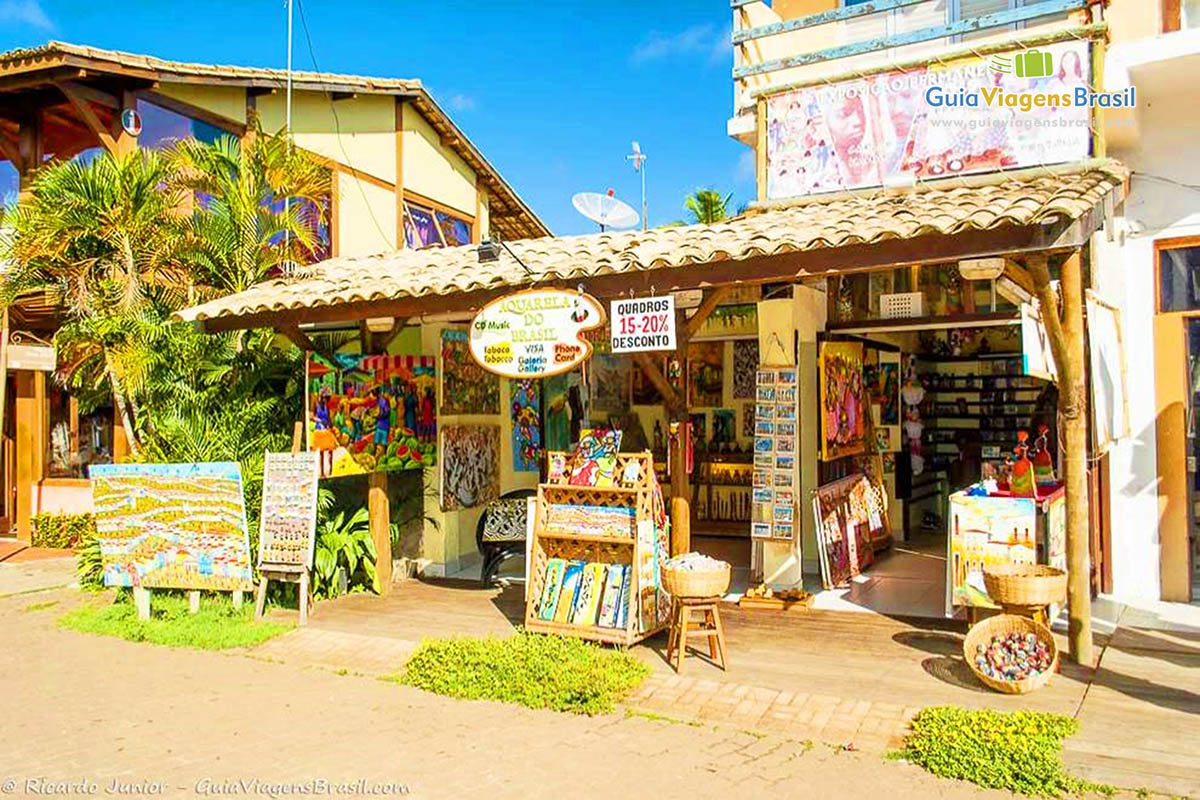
x=1011 y=654
x=1025 y=584
x=695 y=575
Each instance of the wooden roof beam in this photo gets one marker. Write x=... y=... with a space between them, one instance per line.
x=88 y=115
x=15 y=83
x=92 y=94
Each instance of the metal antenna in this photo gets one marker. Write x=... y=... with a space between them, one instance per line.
x=639 y=165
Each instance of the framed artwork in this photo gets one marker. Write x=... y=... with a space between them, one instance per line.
x=467 y=388
x=153 y=535
x=560 y=398
x=524 y=396
x=748 y=416
x=745 y=365
x=470 y=465
x=843 y=400
x=645 y=393
x=288 y=519
x=608 y=383
x=371 y=413
x=706 y=373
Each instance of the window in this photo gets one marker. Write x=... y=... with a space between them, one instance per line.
x=427 y=227
x=76 y=440
x=161 y=127
x=1179 y=279
x=9 y=184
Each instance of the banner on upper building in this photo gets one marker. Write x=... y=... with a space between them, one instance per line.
x=1005 y=111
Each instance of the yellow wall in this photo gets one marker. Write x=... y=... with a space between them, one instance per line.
x=366 y=217
x=431 y=169
x=228 y=101
x=367 y=124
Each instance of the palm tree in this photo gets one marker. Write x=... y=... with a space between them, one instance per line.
x=241 y=231
x=707 y=206
x=102 y=240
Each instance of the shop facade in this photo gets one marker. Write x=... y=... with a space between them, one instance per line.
x=402 y=175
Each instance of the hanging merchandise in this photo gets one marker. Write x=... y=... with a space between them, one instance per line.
x=1043 y=463
x=912 y=393
x=1022 y=482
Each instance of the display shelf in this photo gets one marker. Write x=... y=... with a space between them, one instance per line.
x=587 y=537
x=646 y=606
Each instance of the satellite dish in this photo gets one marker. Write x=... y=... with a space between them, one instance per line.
x=605 y=210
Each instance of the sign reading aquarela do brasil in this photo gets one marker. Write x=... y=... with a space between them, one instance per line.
x=643 y=323
x=1012 y=110
x=535 y=334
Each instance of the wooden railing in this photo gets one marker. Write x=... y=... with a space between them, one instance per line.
x=999 y=19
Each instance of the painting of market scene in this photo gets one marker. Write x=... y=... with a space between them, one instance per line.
x=369 y=413
x=172 y=526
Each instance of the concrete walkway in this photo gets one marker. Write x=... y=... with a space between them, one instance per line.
x=23 y=576
x=838 y=678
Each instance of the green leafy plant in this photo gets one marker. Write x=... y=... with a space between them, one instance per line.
x=559 y=673
x=89 y=565
x=344 y=540
x=1019 y=751
x=62 y=530
x=217 y=626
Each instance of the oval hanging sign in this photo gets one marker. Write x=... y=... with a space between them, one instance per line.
x=535 y=334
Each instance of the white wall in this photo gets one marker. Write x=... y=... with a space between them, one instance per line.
x=1156 y=208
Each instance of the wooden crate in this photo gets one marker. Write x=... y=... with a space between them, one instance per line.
x=648 y=604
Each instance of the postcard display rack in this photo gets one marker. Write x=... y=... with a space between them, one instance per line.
x=776 y=470
x=619 y=533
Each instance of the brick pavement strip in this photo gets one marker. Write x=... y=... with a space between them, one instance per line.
x=80 y=707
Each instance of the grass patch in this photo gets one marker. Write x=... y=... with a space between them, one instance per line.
x=1019 y=751
x=559 y=673
x=217 y=626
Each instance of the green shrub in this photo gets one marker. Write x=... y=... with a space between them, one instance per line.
x=1019 y=751
x=560 y=673
x=217 y=626
x=62 y=530
x=89 y=565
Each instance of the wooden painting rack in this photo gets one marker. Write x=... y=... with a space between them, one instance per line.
x=645 y=599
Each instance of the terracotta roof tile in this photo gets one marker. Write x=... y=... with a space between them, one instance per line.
x=1030 y=198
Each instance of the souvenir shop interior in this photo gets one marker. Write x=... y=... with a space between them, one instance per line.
x=851 y=436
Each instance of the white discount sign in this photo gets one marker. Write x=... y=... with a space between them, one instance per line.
x=643 y=323
x=534 y=334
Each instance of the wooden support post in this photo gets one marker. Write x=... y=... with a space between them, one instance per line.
x=237 y=599
x=193 y=602
x=297 y=437
x=1064 y=329
x=681 y=526
x=141 y=600
x=260 y=595
x=302 y=597
x=378 y=509
x=28 y=445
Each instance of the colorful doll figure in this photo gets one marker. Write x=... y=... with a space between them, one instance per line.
x=1022 y=483
x=1043 y=464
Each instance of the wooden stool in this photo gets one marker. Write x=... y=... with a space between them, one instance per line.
x=285 y=573
x=1039 y=614
x=709 y=626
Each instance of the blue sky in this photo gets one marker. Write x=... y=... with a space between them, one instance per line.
x=552 y=92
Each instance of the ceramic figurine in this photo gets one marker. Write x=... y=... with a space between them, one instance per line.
x=1043 y=464
x=1022 y=482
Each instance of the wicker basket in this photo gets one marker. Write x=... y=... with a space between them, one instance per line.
x=988 y=629
x=696 y=583
x=1025 y=584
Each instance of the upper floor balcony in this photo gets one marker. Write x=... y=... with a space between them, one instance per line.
x=802 y=42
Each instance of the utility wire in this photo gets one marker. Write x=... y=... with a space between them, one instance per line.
x=337 y=126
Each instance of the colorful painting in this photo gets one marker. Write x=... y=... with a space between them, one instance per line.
x=470 y=462
x=739 y=319
x=984 y=532
x=525 y=400
x=745 y=365
x=288 y=522
x=172 y=526
x=848 y=518
x=706 y=371
x=368 y=413
x=560 y=396
x=608 y=381
x=467 y=388
x=843 y=400
x=883 y=386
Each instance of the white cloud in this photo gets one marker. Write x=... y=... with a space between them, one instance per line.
x=707 y=40
x=24 y=12
x=457 y=101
